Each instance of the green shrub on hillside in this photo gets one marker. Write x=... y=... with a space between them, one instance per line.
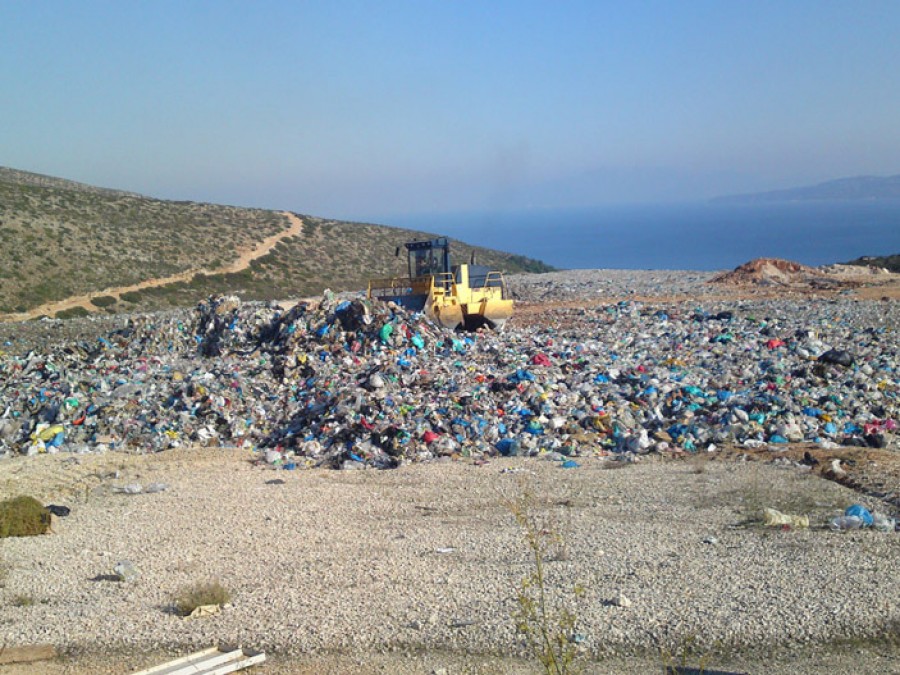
x=72 y=313
x=103 y=301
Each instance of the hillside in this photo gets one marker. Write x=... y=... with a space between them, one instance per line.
x=859 y=187
x=64 y=239
x=888 y=262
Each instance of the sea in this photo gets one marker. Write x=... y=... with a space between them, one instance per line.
x=686 y=236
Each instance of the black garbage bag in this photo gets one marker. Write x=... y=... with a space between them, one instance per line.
x=838 y=357
x=352 y=315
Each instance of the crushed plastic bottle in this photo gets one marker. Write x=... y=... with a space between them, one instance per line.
x=847 y=523
x=883 y=523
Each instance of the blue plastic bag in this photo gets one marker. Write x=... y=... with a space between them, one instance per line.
x=860 y=511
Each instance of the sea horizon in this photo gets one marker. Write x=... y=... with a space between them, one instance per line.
x=689 y=235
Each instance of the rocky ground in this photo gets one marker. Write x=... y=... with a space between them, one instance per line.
x=683 y=408
x=420 y=566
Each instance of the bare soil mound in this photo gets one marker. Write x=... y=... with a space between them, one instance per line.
x=775 y=272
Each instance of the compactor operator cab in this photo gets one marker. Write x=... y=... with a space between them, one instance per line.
x=427 y=258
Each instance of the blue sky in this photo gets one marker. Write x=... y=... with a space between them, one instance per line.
x=367 y=109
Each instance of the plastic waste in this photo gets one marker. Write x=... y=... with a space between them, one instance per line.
x=773 y=517
x=847 y=523
x=125 y=570
x=320 y=382
x=507 y=447
x=838 y=357
x=883 y=523
x=861 y=512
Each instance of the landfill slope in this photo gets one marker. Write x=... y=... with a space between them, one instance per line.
x=342 y=463
x=347 y=382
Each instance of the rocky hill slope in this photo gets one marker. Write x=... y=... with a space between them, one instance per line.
x=63 y=239
x=888 y=262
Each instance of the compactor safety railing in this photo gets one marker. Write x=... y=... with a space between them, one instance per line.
x=393 y=286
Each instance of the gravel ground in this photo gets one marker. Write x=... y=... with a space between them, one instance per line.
x=417 y=569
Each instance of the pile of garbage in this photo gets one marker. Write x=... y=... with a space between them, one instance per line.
x=349 y=382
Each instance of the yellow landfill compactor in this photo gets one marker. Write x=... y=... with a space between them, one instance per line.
x=462 y=297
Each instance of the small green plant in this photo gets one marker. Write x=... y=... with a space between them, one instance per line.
x=676 y=661
x=23 y=517
x=209 y=593
x=22 y=600
x=548 y=628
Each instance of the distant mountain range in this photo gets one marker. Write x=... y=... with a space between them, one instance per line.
x=859 y=188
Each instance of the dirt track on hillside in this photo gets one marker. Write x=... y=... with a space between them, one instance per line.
x=243 y=261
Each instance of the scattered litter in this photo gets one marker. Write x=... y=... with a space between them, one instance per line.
x=462 y=623
x=847 y=523
x=775 y=518
x=861 y=512
x=131 y=489
x=883 y=523
x=212 y=661
x=204 y=610
x=857 y=517
x=124 y=570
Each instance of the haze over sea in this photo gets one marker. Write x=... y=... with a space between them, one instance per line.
x=695 y=236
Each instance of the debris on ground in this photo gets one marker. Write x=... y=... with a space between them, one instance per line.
x=775 y=518
x=220 y=659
